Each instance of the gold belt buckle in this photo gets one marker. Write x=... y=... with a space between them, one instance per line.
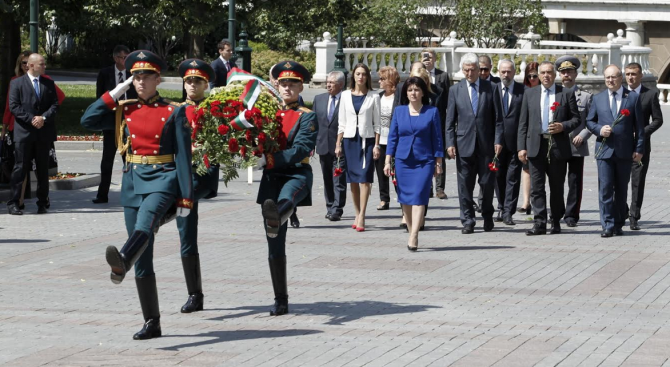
x=145 y=159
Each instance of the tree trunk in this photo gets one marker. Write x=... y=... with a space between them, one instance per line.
x=10 y=47
x=196 y=45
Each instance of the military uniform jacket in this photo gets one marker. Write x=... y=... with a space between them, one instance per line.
x=300 y=127
x=583 y=99
x=151 y=128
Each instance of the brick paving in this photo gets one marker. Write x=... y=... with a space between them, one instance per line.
x=356 y=299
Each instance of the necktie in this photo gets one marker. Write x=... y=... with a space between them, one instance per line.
x=36 y=85
x=505 y=101
x=331 y=110
x=613 y=107
x=474 y=98
x=120 y=82
x=545 y=112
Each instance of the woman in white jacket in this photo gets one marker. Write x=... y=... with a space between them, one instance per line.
x=358 y=138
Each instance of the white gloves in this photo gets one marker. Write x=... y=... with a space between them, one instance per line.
x=261 y=161
x=121 y=89
x=183 y=212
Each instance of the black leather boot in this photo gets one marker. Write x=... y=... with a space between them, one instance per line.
x=169 y=216
x=276 y=214
x=122 y=261
x=278 y=273
x=146 y=289
x=195 y=300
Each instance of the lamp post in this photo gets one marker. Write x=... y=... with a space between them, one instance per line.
x=231 y=29
x=243 y=51
x=339 y=54
x=34 y=7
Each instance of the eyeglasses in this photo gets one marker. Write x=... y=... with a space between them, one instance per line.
x=24 y=62
x=484 y=69
x=532 y=76
x=121 y=57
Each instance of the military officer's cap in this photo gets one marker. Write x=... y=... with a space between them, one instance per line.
x=196 y=68
x=143 y=61
x=290 y=70
x=567 y=62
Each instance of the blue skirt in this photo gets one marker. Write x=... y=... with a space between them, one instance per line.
x=414 y=178
x=353 y=153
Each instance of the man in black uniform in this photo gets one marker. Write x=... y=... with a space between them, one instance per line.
x=287 y=177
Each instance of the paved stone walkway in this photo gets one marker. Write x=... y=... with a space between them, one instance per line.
x=487 y=299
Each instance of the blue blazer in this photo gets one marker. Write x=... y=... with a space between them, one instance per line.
x=423 y=137
x=464 y=129
x=627 y=136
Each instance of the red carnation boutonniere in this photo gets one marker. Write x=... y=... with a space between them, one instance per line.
x=623 y=113
x=338 y=171
x=495 y=164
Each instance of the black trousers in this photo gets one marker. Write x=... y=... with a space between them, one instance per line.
x=24 y=153
x=638 y=177
x=468 y=169
x=107 y=162
x=508 y=182
x=541 y=169
x=384 y=194
x=334 y=188
x=573 y=202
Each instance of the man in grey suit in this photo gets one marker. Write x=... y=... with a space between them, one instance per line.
x=474 y=133
x=651 y=108
x=326 y=107
x=567 y=66
x=485 y=65
x=509 y=171
x=548 y=114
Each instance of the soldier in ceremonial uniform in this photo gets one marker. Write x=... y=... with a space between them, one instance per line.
x=196 y=74
x=157 y=172
x=287 y=177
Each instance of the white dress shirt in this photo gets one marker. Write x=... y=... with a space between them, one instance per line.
x=552 y=99
x=619 y=93
x=432 y=76
x=509 y=93
x=116 y=75
x=225 y=62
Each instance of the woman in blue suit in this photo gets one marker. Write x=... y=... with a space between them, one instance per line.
x=416 y=143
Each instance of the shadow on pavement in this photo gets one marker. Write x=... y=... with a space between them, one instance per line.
x=465 y=248
x=214 y=337
x=339 y=312
x=9 y=240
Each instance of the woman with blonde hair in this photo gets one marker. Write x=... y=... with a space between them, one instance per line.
x=388 y=82
x=357 y=134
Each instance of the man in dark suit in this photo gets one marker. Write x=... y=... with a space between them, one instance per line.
x=108 y=79
x=33 y=102
x=326 y=107
x=616 y=119
x=485 y=65
x=548 y=114
x=485 y=74
x=222 y=64
x=509 y=171
x=441 y=80
x=567 y=66
x=474 y=133
x=650 y=109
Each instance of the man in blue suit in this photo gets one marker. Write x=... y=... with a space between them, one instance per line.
x=616 y=145
x=474 y=133
x=222 y=64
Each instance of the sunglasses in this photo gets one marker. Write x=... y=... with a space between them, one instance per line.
x=532 y=76
x=121 y=57
x=484 y=69
x=24 y=62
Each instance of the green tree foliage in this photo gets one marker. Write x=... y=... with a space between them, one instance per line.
x=486 y=23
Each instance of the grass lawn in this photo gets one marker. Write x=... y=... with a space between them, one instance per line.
x=77 y=99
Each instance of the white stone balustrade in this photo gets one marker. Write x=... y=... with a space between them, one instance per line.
x=664 y=95
x=594 y=57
